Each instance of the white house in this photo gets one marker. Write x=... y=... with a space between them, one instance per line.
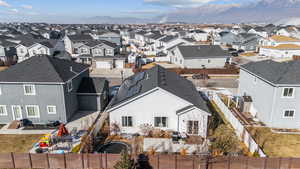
x=280 y=51
x=161 y=99
x=279 y=40
x=199 y=57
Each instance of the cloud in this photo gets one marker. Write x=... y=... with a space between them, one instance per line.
x=178 y=3
x=3 y=3
x=14 y=10
x=27 y=6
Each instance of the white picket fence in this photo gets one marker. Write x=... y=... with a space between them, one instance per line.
x=240 y=130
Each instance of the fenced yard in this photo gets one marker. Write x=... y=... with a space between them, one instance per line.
x=107 y=161
x=240 y=130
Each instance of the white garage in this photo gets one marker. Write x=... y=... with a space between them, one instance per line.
x=104 y=64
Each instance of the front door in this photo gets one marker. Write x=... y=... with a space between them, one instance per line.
x=17 y=112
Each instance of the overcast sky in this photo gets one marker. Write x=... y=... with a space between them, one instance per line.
x=25 y=10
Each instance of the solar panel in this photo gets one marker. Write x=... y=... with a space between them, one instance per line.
x=139 y=76
x=134 y=90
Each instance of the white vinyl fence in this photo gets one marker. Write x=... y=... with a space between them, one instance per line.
x=240 y=130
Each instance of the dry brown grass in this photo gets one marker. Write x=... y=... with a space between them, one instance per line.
x=277 y=145
x=248 y=54
x=3 y=68
x=17 y=143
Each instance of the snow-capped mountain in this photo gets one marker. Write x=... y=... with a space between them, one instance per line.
x=261 y=11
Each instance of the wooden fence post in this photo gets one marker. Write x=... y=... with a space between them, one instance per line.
x=13 y=159
x=100 y=159
x=265 y=163
x=290 y=163
x=175 y=161
x=157 y=161
x=247 y=161
x=193 y=162
x=82 y=160
x=228 y=162
x=65 y=161
x=30 y=161
x=47 y=158
x=280 y=161
x=106 y=167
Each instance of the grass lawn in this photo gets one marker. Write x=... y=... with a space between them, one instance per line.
x=277 y=145
x=17 y=143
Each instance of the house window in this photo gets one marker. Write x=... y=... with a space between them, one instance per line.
x=109 y=51
x=208 y=61
x=83 y=50
x=70 y=85
x=192 y=127
x=255 y=80
x=3 y=110
x=127 y=121
x=51 y=109
x=288 y=92
x=160 y=121
x=21 y=50
x=29 y=90
x=289 y=113
x=33 y=111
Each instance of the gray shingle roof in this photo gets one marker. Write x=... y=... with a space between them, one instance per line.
x=42 y=69
x=284 y=73
x=92 y=85
x=159 y=77
x=203 y=51
x=80 y=37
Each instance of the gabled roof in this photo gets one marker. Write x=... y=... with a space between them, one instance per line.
x=158 y=76
x=6 y=43
x=92 y=85
x=42 y=69
x=276 y=72
x=80 y=37
x=203 y=51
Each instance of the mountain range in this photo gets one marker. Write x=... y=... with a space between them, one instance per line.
x=263 y=11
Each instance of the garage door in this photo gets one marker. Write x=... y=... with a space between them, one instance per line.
x=119 y=64
x=103 y=65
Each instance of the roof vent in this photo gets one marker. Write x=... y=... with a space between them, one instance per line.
x=71 y=68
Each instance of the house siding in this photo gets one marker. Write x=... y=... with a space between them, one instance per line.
x=160 y=104
x=268 y=101
x=13 y=94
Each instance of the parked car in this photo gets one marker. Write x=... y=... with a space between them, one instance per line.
x=235 y=54
x=240 y=51
x=231 y=49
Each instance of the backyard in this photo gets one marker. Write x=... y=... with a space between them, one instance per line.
x=275 y=144
x=17 y=143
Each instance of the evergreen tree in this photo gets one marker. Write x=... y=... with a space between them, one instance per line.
x=125 y=162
